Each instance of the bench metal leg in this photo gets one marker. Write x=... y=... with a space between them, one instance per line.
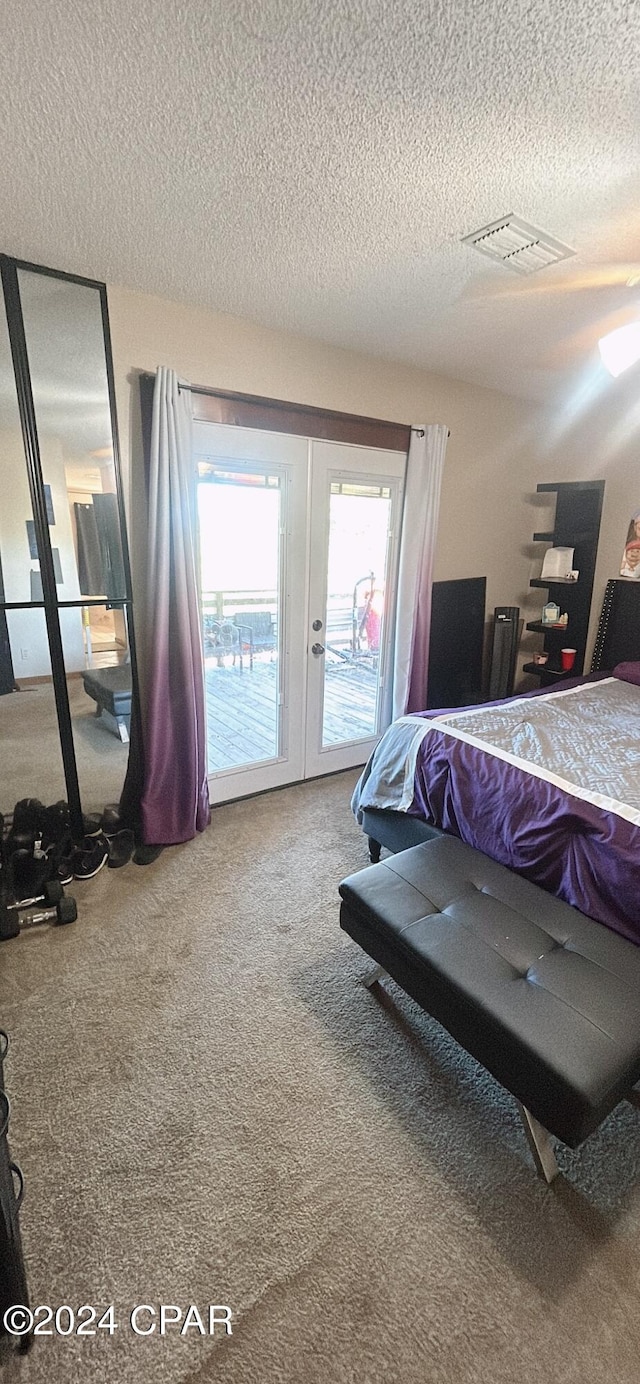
x=540 y=1145
x=372 y=976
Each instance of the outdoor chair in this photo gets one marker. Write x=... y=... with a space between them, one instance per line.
x=222 y=637
x=257 y=632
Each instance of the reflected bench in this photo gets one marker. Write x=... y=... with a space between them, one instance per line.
x=110 y=689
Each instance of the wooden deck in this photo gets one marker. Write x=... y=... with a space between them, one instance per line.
x=242 y=713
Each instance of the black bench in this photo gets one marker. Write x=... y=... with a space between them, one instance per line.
x=110 y=688
x=546 y=999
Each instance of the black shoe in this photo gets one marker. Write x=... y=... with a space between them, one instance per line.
x=111 y=820
x=90 y=857
x=145 y=855
x=91 y=823
x=64 y=871
x=56 y=824
x=28 y=822
x=121 y=847
x=57 y=842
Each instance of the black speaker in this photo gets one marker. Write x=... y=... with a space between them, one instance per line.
x=504 y=649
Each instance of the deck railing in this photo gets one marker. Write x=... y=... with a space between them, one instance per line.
x=224 y=605
x=342 y=619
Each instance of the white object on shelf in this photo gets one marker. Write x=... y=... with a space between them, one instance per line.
x=558 y=562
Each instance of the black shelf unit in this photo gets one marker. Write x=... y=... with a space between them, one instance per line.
x=577 y=526
x=553 y=581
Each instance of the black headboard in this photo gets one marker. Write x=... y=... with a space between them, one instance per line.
x=618 y=637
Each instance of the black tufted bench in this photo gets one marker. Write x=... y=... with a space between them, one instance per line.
x=110 y=689
x=546 y=999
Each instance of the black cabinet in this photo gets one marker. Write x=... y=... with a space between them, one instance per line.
x=577 y=526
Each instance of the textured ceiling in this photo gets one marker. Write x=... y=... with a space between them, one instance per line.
x=312 y=165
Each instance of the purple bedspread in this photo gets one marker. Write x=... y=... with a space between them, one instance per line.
x=581 y=853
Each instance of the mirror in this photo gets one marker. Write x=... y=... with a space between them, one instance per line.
x=67 y=364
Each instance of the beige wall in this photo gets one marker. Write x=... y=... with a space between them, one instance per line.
x=491 y=459
x=499 y=449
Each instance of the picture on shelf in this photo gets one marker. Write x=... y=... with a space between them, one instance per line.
x=630 y=566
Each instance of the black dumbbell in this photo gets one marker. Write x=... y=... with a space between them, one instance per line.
x=13 y=921
x=51 y=892
x=65 y=911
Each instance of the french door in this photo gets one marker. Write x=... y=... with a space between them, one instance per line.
x=298 y=556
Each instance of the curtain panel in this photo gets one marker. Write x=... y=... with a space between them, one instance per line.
x=174 y=801
x=407 y=689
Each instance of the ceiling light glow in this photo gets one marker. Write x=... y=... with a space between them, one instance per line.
x=621 y=348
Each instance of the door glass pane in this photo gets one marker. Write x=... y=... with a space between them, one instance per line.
x=359 y=516
x=240 y=560
x=65 y=345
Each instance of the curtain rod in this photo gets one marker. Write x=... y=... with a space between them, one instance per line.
x=283 y=403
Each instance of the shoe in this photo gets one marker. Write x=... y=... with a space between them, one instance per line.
x=91 y=823
x=56 y=824
x=90 y=857
x=57 y=842
x=64 y=871
x=27 y=817
x=121 y=847
x=27 y=824
x=145 y=855
x=111 y=820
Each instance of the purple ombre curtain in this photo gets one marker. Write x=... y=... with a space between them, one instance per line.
x=175 y=797
x=421 y=508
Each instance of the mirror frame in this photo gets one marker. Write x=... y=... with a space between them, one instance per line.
x=9 y=270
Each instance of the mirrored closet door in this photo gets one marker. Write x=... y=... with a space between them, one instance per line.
x=67 y=655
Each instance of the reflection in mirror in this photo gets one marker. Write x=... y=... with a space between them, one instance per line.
x=30 y=757
x=99 y=687
x=15 y=506
x=65 y=341
x=65 y=346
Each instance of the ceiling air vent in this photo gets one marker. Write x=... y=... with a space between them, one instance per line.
x=518 y=245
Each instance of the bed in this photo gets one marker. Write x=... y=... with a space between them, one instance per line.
x=547 y=784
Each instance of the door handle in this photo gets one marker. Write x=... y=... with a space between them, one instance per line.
x=317 y=649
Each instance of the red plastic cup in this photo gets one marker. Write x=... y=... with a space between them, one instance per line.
x=568 y=657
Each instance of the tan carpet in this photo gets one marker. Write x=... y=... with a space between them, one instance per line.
x=210 y=1109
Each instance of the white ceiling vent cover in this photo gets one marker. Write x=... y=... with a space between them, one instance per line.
x=518 y=245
